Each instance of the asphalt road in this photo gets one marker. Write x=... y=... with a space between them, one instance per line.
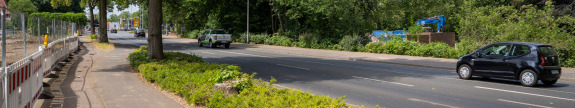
x=370 y=84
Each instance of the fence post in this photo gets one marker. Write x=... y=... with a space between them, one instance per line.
x=39 y=36
x=24 y=34
x=5 y=73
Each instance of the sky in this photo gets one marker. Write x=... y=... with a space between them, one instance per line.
x=131 y=9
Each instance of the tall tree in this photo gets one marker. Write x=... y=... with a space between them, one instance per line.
x=91 y=4
x=103 y=33
x=124 y=14
x=155 y=46
x=25 y=6
x=114 y=18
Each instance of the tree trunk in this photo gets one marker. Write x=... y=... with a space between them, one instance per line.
x=155 y=47
x=103 y=38
x=92 y=29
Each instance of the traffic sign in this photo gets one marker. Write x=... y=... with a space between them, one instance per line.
x=136 y=22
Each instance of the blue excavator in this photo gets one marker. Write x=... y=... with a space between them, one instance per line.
x=440 y=20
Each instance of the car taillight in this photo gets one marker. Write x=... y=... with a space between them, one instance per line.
x=542 y=61
x=216 y=36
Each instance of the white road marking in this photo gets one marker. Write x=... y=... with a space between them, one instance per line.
x=293 y=66
x=243 y=54
x=384 y=81
x=540 y=106
x=433 y=103
x=207 y=52
x=517 y=92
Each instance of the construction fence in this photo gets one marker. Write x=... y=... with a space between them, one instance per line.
x=31 y=46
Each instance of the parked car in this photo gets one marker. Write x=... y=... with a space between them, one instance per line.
x=526 y=62
x=214 y=38
x=114 y=31
x=140 y=33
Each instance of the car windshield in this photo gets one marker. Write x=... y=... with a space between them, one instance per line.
x=140 y=30
x=218 y=32
x=547 y=51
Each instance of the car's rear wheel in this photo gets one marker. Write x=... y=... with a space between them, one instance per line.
x=528 y=78
x=227 y=45
x=200 y=43
x=464 y=71
x=549 y=82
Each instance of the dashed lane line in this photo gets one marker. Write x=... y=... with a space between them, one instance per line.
x=528 y=104
x=433 y=103
x=384 y=81
x=293 y=67
x=518 y=92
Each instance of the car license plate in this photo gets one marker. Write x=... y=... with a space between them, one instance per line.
x=554 y=71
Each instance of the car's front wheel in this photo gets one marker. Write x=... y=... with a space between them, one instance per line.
x=549 y=82
x=528 y=78
x=212 y=45
x=200 y=43
x=464 y=71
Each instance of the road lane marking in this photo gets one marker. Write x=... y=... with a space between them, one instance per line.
x=243 y=54
x=293 y=66
x=517 y=92
x=540 y=106
x=207 y=52
x=384 y=81
x=433 y=103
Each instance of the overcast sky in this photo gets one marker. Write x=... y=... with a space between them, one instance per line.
x=131 y=9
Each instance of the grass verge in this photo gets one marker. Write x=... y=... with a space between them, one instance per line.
x=189 y=77
x=105 y=46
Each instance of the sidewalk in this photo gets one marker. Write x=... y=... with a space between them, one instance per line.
x=103 y=79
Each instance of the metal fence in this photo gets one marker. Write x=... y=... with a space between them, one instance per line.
x=31 y=46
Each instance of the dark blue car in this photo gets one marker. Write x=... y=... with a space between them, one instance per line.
x=526 y=62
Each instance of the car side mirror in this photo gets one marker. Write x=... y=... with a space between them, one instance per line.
x=477 y=54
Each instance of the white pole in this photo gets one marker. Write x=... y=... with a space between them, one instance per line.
x=248 y=24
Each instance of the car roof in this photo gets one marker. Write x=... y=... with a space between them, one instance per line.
x=524 y=43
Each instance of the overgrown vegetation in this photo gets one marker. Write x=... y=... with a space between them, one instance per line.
x=187 y=76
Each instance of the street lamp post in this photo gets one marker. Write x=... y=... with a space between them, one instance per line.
x=248 y=24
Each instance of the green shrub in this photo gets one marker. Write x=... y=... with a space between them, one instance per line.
x=306 y=40
x=140 y=56
x=258 y=39
x=194 y=34
x=94 y=36
x=194 y=81
x=399 y=46
x=279 y=40
x=349 y=43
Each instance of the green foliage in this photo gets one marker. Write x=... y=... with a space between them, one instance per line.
x=254 y=39
x=140 y=56
x=94 y=36
x=279 y=40
x=194 y=34
x=78 y=18
x=350 y=43
x=24 y=6
x=194 y=80
x=307 y=40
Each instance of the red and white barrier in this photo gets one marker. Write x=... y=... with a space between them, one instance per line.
x=24 y=78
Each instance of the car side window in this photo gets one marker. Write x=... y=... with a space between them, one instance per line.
x=519 y=50
x=496 y=50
